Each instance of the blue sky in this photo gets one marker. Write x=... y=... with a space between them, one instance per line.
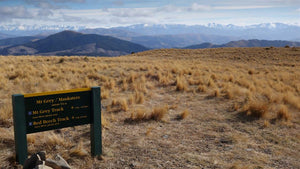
x=111 y=13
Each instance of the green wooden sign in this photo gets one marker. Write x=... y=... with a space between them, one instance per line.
x=39 y=112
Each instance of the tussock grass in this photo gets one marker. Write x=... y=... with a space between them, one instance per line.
x=201 y=88
x=283 y=113
x=123 y=104
x=104 y=93
x=215 y=93
x=6 y=115
x=233 y=92
x=253 y=83
x=139 y=97
x=257 y=109
x=149 y=130
x=292 y=100
x=159 y=113
x=266 y=123
x=53 y=139
x=104 y=122
x=181 y=84
x=110 y=84
x=124 y=85
x=119 y=104
x=164 y=80
x=184 y=114
x=79 y=150
x=139 y=114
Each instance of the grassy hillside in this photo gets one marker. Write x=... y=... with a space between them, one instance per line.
x=209 y=108
x=247 y=43
x=73 y=43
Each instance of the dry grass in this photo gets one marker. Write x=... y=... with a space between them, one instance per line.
x=181 y=84
x=104 y=93
x=79 y=150
x=52 y=140
x=241 y=81
x=183 y=115
x=139 y=97
x=120 y=104
x=257 y=109
x=201 y=88
x=283 y=113
x=159 y=113
x=139 y=115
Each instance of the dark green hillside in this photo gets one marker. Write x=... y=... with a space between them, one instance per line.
x=74 y=43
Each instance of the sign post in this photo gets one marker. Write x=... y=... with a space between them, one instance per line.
x=39 y=112
x=19 y=128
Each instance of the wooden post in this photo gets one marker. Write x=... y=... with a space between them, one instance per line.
x=96 y=131
x=19 y=128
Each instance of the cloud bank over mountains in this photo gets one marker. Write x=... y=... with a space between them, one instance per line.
x=106 y=13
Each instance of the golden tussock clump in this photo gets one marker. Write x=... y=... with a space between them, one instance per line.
x=53 y=139
x=291 y=99
x=283 y=113
x=6 y=115
x=215 y=93
x=114 y=102
x=181 y=84
x=104 y=93
x=139 y=115
x=131 y=78
x=235 y=92
x=257 y=109
x=201 y=88
x=124 y=85
x=110 y=84
x=164 y=80
x=159 y=113
x=183 y=115
x=79 y=150
x=121 y=104
x=130 y=99
x=149 y=130
x=266 y=123
x=139 y=85
x=104 y=121
x=139 y=97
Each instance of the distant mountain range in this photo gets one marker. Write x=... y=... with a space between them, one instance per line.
x=74 y=43
x=32 y=30
x=3 y=36
x=246 y=43
x=171 y=35
x=178 y=36
x=18 y=40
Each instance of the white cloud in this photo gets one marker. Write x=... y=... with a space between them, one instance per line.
x=197 y=7
x=64 y=1
x=255 y=2
x=9 y=13
x=240 y=7
x=49 y=12
x=130 y=12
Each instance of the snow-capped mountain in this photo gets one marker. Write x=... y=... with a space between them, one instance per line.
x=27 y=30
x=171 y=35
